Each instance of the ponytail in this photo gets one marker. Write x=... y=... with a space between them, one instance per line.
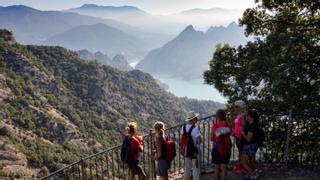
x=132 y=128
x=159 y=128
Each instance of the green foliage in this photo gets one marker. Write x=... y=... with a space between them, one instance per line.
x=57 y=98
x=281 y=66
x=279 y=71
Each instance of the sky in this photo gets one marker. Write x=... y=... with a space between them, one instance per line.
x=151 y=6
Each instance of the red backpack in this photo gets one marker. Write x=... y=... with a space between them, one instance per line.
x=187 y=147
x=169 y=148
x=223 y=144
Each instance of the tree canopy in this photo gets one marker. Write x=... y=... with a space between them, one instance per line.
x=278 y=71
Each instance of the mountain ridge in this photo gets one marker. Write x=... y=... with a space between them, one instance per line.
x=33 y=26
x=110 y=8
x=57 y=108
x=188 y=54
x=209 y=10
x=98 y=37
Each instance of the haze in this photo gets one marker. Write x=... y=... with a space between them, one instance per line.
x=152 y=6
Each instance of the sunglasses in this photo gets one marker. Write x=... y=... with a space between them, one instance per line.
x=236 y=106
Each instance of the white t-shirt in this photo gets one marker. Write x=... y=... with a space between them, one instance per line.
x=195 y=133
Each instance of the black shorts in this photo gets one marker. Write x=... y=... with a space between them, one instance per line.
x=135 y=167
x=218 y=159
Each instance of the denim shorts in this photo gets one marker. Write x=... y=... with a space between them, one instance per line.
x=250 y=149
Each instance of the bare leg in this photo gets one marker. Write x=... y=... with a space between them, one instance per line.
x=217 y=171
x=142 y=175
x=253 y=165
x=131 y=175
x=223 y=171
x=240 y=158
x=245 y=163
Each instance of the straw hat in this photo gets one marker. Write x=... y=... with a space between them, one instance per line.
x=191 y=115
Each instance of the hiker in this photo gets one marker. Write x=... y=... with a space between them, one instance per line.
x=130 y=155
x=221 y=145
x=190 y=146
x=160 y=155
x=250 y=143
x=239 y=123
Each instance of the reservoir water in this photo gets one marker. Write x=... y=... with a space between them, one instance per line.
x=195 y=88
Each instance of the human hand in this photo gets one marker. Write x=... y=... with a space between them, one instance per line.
x=156 y=156
x=242 y=132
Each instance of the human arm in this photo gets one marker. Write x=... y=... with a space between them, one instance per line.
x=199 y=140
x=213 y=136
x=248 y=137
x=158 y=148
x=197 y=134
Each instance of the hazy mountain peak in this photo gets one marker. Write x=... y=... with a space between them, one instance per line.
x=119 y=56
x=188 y=29
x=214 y=28
x=18 y=8
x=109 y=8
x=205 y=11
x=233 y=25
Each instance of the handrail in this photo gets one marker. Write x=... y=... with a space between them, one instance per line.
x=107 y=164
x=115 y=147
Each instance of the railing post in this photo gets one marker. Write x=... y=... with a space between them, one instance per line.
x=82 y=169
x=153 y=163
x=286 y=154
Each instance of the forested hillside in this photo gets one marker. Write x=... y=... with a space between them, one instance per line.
x=56 y=108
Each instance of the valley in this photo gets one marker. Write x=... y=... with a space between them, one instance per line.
x=56 y=107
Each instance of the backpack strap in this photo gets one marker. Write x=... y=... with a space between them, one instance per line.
x=185 y=129
x=191 y=128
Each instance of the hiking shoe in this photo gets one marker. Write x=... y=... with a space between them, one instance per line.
x=240 y=170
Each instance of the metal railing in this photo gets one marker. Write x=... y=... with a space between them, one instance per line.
x=107 y=164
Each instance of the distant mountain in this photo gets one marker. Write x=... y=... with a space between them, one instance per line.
x=57 y=108
x=188 y=54
x=98 y=37
x=199 y=11
x=86 y=55
x=204 y=18
x=166 y=24
x=108 y=11
x=118 y=61
x=33 y=26
x=131 y=15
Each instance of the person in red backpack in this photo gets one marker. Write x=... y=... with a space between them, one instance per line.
x=136 y=147
x=221 y=145
x=160 y=155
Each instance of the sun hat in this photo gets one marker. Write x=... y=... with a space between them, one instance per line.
x=240 y=103
x=191 y=115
